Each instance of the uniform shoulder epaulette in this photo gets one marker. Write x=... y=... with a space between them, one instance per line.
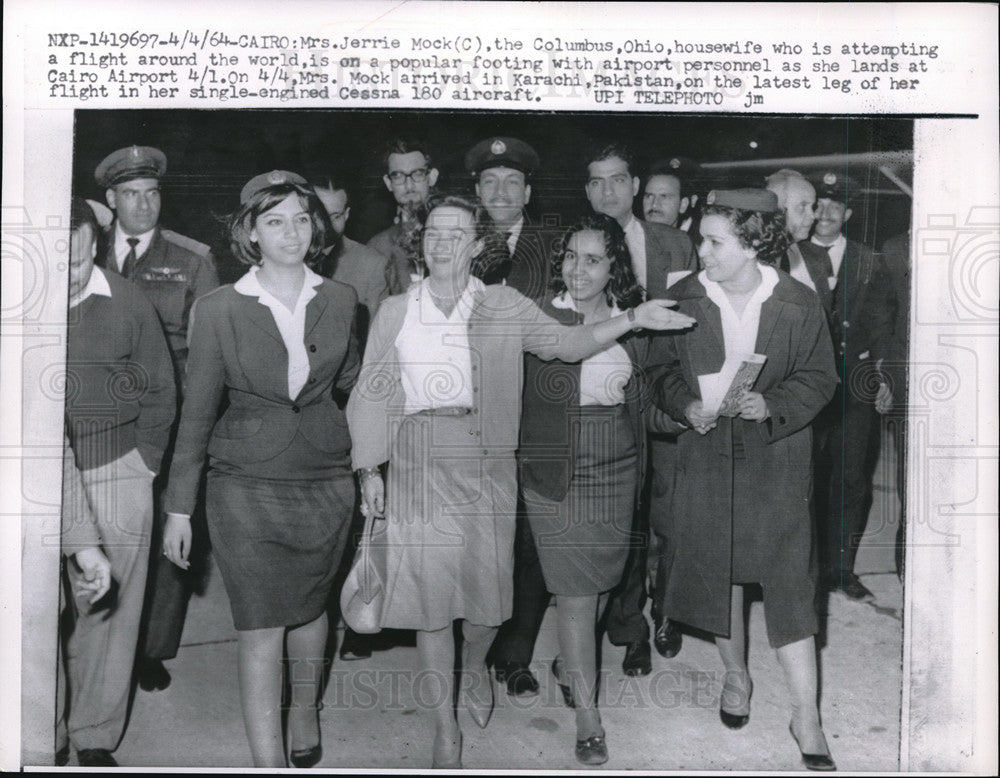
x=186 y=243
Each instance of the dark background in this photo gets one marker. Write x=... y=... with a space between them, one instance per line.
x=211 y=154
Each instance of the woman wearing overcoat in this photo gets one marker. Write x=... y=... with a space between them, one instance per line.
x=280 y=491
x=743 y=484
x=439 y=399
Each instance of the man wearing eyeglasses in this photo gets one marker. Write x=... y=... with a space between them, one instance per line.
x=661 y=256
x=410 y=177
x=172 y=271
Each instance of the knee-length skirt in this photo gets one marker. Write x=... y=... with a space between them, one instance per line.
x=450 y=509
x=278 y=543
x=584 y=539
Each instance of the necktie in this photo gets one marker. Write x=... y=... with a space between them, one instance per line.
x=493 y=265
x=827 y=262
x=128 y=266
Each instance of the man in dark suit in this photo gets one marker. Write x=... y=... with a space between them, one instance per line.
x=348 y=261
x=666 y=194
x=891 y=399
x=797 y=199
x=853 y=289
x=172 y=271
x=661 y=256
x=410 y=176
x=517 y=255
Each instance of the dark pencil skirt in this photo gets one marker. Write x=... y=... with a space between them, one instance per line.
x=278 y=544
x=584 y=539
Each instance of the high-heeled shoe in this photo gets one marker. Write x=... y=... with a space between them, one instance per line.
x=592 y=750
x=819 y=762
x=446 y=761
x=735 y=720
x=480 y=709
x=567 y=692
x=304 y=758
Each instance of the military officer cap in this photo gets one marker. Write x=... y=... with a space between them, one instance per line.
x=682 y=167
x=264 y=180
x=760 y=200
x=835 y=185
x=502 y=152
x=130 y=163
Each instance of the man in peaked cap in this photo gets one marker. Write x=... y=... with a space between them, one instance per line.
x=517 y=253
x=666 y=194
x=172 y=271
x=854 y=292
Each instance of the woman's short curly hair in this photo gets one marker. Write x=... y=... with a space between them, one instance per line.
x=765 y=233
x=242 y=223
x=623 y=289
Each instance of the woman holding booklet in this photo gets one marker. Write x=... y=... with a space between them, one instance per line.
x=744 y=472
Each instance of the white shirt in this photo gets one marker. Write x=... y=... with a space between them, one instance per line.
x=635 y=239
x=291 y=324
x=98 y=284
x=122 y=248
x=433 y=350
x=836 y=251
x=515 y=233
x=604 y=375
x=740 y=332
x=797 y=267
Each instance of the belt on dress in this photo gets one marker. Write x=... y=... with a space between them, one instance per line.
x=448 y=410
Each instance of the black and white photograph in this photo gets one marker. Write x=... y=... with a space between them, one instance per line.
x=421 y=437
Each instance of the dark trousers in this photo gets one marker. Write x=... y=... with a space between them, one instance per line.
x=657 y=496
x=168 y=588
x=515 y=640
x=846 y=436
x=623 y=617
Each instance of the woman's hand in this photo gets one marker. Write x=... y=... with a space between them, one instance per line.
x=96 y=574
x=752 y=407
x=656 y=315
x=177 y=539
x=700 y=421
x=373 y=496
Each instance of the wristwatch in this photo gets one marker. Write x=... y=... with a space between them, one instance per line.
x=631 y=317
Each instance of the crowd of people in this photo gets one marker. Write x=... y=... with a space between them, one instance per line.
x=528 y=409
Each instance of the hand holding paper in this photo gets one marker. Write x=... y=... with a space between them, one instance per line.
x=721 y=392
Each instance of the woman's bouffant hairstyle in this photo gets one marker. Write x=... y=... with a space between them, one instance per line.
x=245 y=219
x=623 y=289
x=765 y=233
x=413 y=244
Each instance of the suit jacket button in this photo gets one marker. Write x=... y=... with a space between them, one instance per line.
x=781 y=420
x=312 y=347
x=295 y=409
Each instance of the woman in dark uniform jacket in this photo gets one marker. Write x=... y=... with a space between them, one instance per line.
x=743 y=483
x=280 y=491
x=581 y=453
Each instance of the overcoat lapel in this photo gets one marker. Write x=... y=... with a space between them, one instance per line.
x=769 y=314
x=713 y=320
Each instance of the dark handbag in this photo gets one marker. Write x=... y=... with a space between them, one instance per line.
x=363 y=594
